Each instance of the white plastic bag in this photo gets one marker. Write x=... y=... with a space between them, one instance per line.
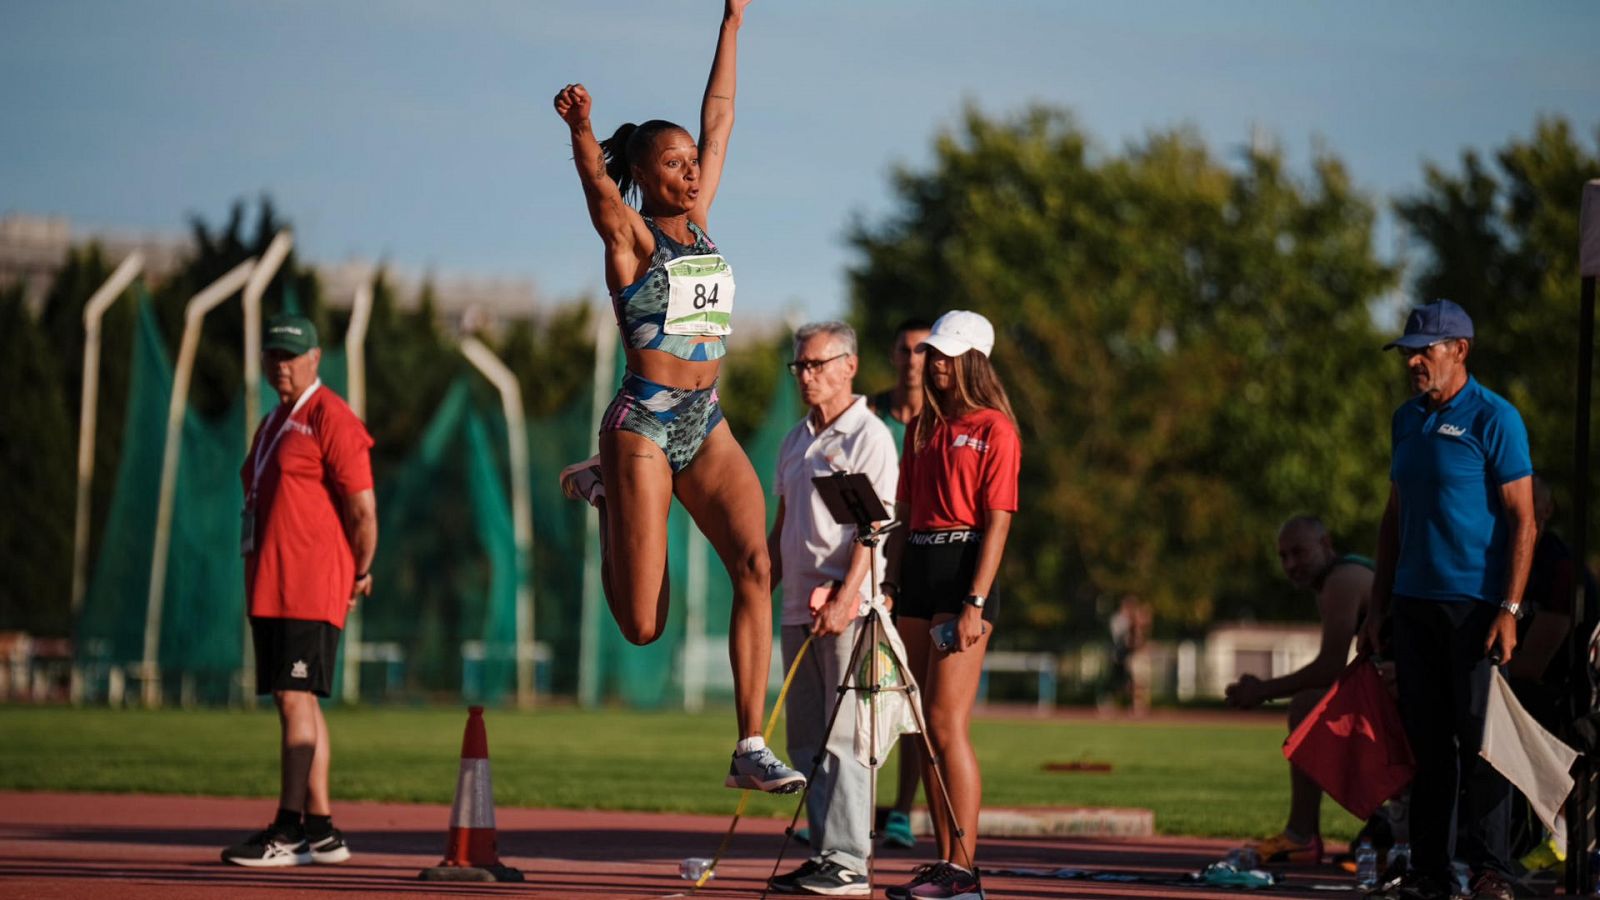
x=891 y=707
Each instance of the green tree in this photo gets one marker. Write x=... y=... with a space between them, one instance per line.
x=410 y=365
x=219 y=366
x=1187 y=344
x=1500 y=239
x=37 y=453
x=61 y=322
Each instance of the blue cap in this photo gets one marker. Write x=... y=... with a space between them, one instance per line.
x=1438 y=321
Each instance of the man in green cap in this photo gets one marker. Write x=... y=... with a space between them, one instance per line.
x=308 y=535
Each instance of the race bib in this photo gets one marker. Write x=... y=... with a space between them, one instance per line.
x=699 y=295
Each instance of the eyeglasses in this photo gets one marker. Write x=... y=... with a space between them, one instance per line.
x=1408 y=352
x=812 y=365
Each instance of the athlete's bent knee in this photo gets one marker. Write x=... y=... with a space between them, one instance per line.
x=639 y=633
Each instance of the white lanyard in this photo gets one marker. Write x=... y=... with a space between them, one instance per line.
x=265 y=453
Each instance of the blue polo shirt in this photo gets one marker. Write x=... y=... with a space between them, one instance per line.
x=1448 y=467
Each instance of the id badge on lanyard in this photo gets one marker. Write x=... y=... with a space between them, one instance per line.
x=699 y=296
x=247 y=516
x=247 y=527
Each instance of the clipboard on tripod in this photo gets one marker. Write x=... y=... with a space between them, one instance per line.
x=852 y=500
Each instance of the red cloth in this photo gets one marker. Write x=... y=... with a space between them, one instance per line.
x=1353 y=744
x=969 y=467
x=302 y=567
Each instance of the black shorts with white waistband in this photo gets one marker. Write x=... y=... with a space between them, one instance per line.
x=936 y=575
x=294 y=655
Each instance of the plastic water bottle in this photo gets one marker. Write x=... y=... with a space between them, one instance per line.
x=1243 y=859
x=1366 y=863
x=1399 y=861
x=695 y=866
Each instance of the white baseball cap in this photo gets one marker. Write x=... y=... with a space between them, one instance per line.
x=958 y=331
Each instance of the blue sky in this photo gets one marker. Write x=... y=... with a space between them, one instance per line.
x=422 y=132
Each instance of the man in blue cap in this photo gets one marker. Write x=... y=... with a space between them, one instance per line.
x=1454 y=551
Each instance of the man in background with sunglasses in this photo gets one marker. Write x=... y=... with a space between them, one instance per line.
x=1454 y=551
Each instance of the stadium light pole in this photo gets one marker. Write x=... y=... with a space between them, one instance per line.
x=605 y=362
x=1580 y=815
x=355 y=355
x=93 y=312
x=505 y=381
x=262 y=276
x=193 y=316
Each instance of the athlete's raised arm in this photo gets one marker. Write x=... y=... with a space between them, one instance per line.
x=716 y=109
x=616 y=222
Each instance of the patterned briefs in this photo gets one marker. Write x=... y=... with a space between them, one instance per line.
x=676 y=419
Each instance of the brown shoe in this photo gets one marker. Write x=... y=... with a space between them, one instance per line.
x=1487 y=885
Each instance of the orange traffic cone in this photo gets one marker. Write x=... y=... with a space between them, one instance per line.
x=471 y=851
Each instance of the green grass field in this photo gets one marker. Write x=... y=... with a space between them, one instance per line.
x=1223 y=780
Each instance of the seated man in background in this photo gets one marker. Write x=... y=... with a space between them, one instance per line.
x=1540 y=672
x=1341 y=585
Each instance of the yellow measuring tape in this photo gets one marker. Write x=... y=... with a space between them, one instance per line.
x=744 y=795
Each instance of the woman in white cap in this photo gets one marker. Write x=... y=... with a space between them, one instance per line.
x=664 y=435
x=957 y=493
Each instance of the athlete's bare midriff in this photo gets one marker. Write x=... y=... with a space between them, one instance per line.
x=663 y=368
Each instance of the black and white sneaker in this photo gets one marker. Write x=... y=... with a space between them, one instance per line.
x=269 y=849
x=330 y=848
x=833 y=880
x=789 y=882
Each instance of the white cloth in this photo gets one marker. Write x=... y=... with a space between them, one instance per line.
x=814 y=548
x=892 y=708
x=1532 y=759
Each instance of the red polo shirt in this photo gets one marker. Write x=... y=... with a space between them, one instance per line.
x=302 y=567
x=970 y=466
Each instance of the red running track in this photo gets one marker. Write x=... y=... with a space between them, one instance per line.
x=130 y=847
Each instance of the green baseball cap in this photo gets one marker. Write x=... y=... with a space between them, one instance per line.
x=290 y=333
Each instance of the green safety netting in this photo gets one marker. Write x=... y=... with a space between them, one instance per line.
x=442 y=621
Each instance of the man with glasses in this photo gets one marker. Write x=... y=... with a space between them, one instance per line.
x=825 y=577
x=1454 y=551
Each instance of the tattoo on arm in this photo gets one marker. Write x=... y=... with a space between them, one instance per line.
x=721 y=97
x=714 y=147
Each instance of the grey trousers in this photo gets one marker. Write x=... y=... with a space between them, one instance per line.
x=839 y=806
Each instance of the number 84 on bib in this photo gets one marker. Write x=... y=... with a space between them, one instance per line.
x=699 y=295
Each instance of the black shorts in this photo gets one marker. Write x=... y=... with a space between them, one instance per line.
x=936 y=575
x=294 y=655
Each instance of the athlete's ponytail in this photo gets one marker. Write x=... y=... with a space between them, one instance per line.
x=615 y=150
x=626 y=148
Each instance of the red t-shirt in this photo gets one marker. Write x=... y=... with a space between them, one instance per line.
x=969 y=467
x=302 y=567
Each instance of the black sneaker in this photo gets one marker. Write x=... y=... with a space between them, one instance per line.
x=330 y=848
x=789 y=882
x=269 y=849
x=833 y=880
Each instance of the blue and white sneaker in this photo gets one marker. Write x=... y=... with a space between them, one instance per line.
x=269 y=849
x=761 y=770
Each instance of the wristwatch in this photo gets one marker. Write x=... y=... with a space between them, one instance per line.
x=1513 y=608
x=975 y=600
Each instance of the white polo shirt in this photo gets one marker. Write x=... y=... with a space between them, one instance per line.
x=815 y=548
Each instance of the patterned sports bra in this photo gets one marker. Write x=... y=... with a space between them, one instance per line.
x=703 y=283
